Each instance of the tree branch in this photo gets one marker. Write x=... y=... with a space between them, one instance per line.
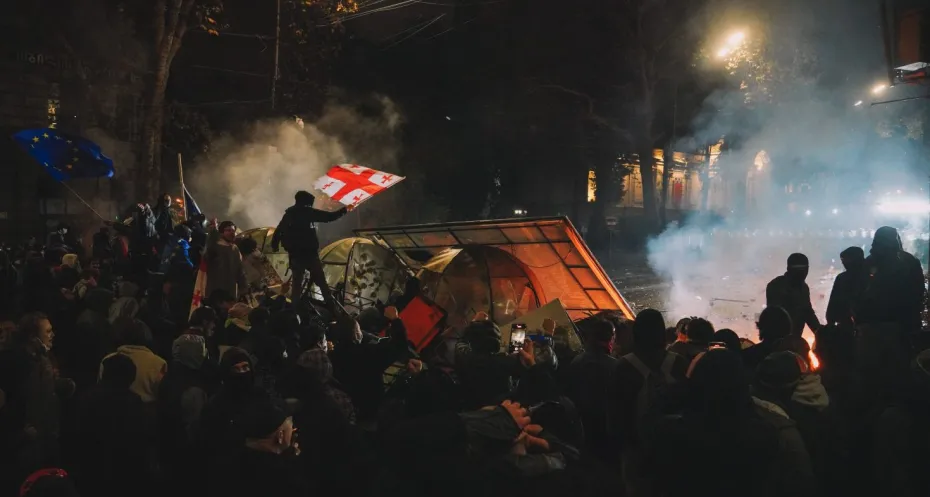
x=161 y=6
x=183 y=23
x=592 y=114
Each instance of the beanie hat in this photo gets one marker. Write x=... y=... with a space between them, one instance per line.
x=189 y=350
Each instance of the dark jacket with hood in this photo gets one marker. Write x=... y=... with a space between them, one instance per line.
x=895 y=292
x=848 y=288
x=297 y=229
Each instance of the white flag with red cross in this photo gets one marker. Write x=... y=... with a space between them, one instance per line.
x=200 y=285
x=351 y=184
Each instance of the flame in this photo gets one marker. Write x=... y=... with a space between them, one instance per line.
x=811 y=356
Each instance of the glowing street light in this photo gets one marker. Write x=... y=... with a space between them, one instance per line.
x=879 y=88
x=736 y=38
x=733 y=41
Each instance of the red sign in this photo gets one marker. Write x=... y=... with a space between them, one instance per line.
x=421 y=318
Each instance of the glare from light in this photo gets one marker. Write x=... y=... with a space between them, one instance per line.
x=879 y=88
x=448 y=118
x=807 y=212
x=723 y=52
x=904 y=207
x=857 y=104
x=736 y=38
x=836 y=211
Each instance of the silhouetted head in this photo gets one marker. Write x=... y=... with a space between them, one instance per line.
x=700 y=331
x=649 y=330
x=852 y=258
x=303 y=198
x=887 y=242
x=774 y=323
x=798 y=267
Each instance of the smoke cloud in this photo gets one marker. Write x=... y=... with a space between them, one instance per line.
x=251 y=177
x=835 y=172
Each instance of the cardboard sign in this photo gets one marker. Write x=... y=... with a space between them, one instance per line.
x=534 y=322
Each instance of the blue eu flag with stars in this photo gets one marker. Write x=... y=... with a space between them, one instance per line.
x=65 y=156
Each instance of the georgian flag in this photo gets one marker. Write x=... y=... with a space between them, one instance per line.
x=351 y=184
x=200 y=285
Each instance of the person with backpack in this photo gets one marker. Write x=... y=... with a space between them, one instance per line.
x=297 y=234
x=637 y=381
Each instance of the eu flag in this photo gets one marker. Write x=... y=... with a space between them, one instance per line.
x=191 y=208
x=65 y=156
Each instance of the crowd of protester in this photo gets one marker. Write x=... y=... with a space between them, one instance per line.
x=111 y=386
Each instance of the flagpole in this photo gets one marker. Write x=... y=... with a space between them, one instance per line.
x=82 y=200
x=181 y=177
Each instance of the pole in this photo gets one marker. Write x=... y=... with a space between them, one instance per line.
x=183 y=190
x=83 y=201
x=277 y=47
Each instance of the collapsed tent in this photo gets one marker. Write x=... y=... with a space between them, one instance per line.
x=362 y=272
x=503 y=268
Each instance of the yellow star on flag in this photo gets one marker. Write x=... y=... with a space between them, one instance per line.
x=45 y=135
x=35 y=139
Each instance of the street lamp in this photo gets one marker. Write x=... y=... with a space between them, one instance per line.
x=733 y=41
x=877 y=89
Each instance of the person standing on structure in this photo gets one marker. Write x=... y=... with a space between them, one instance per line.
x=297 y=234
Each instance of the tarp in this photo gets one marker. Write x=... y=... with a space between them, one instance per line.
x=560 y=264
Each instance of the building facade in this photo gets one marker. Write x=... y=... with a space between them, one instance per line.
x=38 y=90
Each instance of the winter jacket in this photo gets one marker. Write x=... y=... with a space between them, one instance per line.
x=588 y=382
x=149 y=370
x=297 y=229
x=794 y=297
x=224 y=267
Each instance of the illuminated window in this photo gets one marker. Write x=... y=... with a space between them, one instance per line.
x=592 y=186
x=54 y=106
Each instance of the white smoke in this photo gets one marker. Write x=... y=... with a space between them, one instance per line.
x=251 y=177
x=720 y=270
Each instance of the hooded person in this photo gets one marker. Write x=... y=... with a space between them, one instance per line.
x=848 y=288
x=588 y=379
x=761 y=449
x=182 y=394
x=317 y=370
x=297 y=234
x=238 y=389
x=265 y=463
x=790 y=292
x=116 y=433
x=784 y=386
x=895 y=293
x=485 y=374
x=150 y=369
x=888 y=312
